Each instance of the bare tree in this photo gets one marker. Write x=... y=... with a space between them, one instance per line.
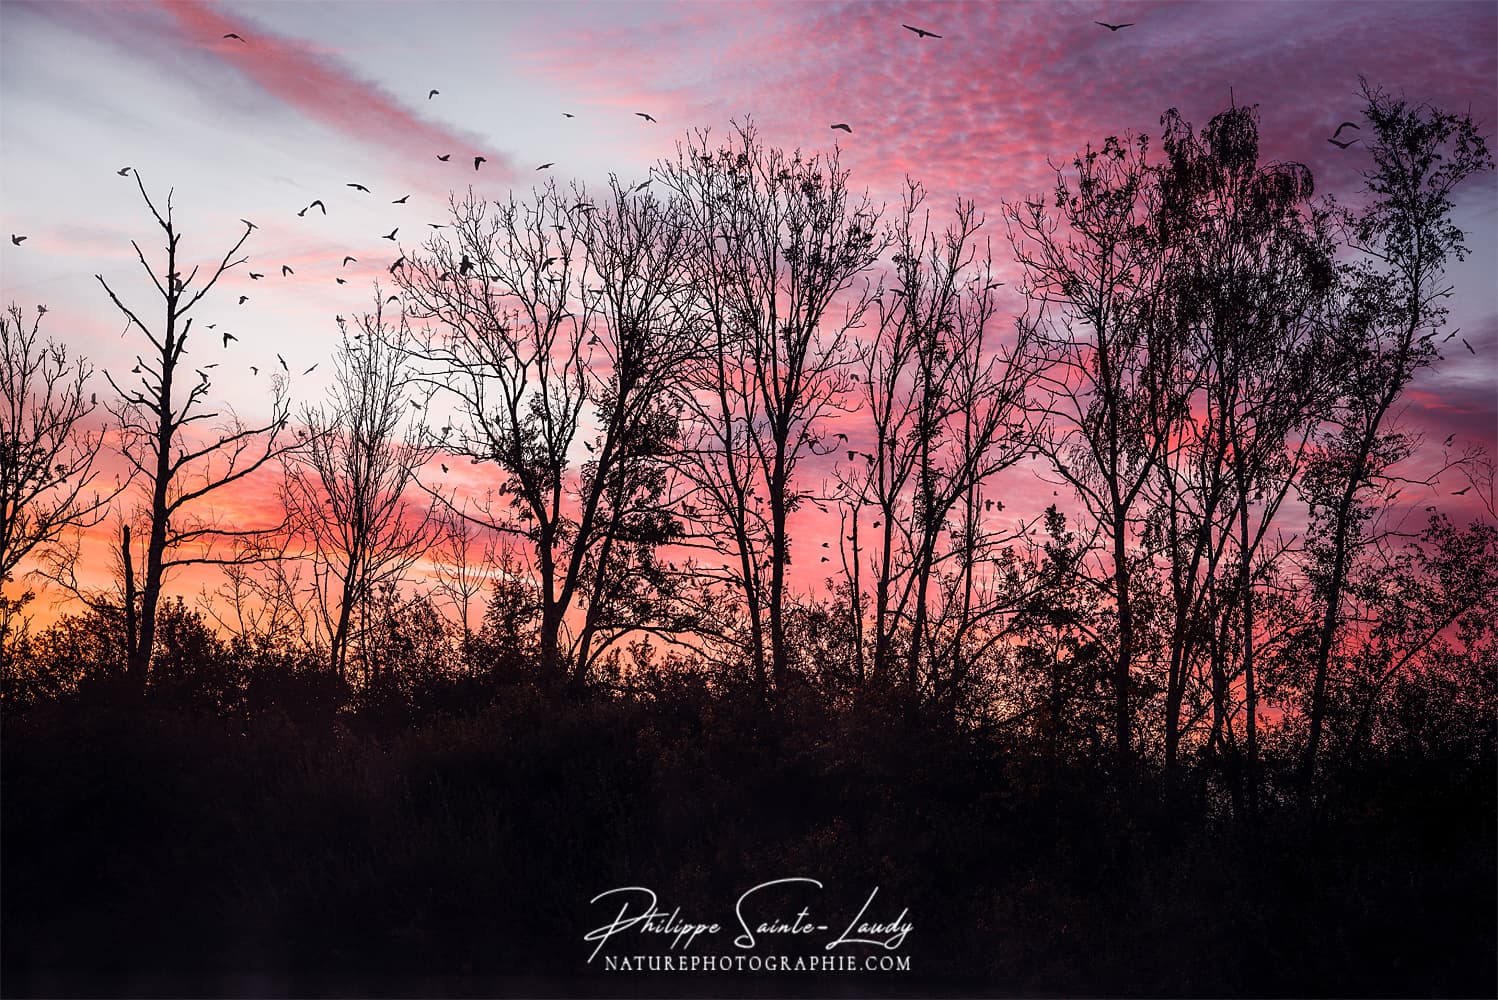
x=947 y=407
x=1388 y=334
x=781 y=245
x=1095 y=267
x=348 y=491
x=47 y=453
x=159 y=415
x=562 y=340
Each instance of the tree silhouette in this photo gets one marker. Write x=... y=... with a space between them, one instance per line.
x=347 y=490
x=947 y=408
x=1249 y=287
x=1392 y=313
x=561 y=342
x=159 y=416
x=47 y=453
x=781 y=245
x=1094 y=267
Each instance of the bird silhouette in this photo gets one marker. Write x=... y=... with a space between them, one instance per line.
x=477 y=160
x=546 y=166
x=432 y=93
x=444 y=466
x=391 y=235
x=349 y=260
x=247 y=222
x=256 y=275
x=401 y=200
x=642 y=186
x=234 y=36
x=1114 y=27
x=254 y=370
x=17 y=240
x=465 y=265
x=1459 y=492
x=319 y=206
x=123 y=171
x=228 y=337
x=340 y=281
x=568 y=114
x=243 y=299
x=1345 y=125
x=1449 y=439
x=1468 y=347
x=445 y=157
x=844 y=126
x=399 y=263
x=286 y=270
x=920 y=32
x=283 y=363
x=309 y=370
x=1341 y=145
x=358 y=187
x=648 y=118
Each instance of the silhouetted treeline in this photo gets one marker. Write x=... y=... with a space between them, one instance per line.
x=1219 y=719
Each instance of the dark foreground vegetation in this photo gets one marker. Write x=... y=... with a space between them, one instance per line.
x=167 y=851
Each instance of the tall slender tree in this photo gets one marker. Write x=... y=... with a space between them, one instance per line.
x=167 y=438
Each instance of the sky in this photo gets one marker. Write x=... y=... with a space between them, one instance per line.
x=317 y=96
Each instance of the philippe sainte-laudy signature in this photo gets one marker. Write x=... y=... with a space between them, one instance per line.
x=761 y=914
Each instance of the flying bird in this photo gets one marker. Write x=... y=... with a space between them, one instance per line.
x=445 y=157
x=340 y=281
x=432 y=93
x=228 y=337
x=568 y=114
x=254 y=370
x=465 y=265
x=546 y=166
x=286 y=269
x=17 y=240
x=320 y=206
x=399 y=263
x=123 y=171
x=1464 y=489
x=477 y=160
x=243 y=299
x=1345 y=125
x=1468 y=347
x=391 y=235
x=401 y=200
x=1449 y=439
x=1341 y=145
x=648 y=118
x=256 y=275
x=358 y=187
x=920 y=32
x=249 y=223
x=283 y=363
x=309 y=370
x=1114 y=27
x=234 y=36
x=444 y=466
x=844 y=126
x=350 y=260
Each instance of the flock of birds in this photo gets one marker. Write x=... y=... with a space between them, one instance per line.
x=465 y=265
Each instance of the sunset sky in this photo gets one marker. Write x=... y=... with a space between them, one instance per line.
x=318 y=96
